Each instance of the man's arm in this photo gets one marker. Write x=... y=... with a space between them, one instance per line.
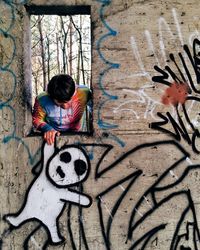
x=39 y=122
x=39 y=117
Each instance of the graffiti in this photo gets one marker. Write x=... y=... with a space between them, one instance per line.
x=6 y=72
x=143 y=95
x=49 y=192
x=175 y=94
x=179 y=127
x=134 y=208
x=164 y=189
x=110 y=65
x=195 y=62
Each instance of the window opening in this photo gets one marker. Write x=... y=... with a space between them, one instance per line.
x=61 y=44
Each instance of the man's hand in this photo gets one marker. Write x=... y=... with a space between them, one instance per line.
x=50 y=135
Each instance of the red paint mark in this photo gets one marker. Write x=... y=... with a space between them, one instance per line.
x=175 y=94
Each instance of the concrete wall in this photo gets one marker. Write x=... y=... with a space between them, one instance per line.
x=144 y=155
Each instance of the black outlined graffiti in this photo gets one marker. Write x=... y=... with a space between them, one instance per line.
x=48 y=193
x=154 y=195
x=160 y=184
x=181 y=130
x=181 y=78
x=150 y=196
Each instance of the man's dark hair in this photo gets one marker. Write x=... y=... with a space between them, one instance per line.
x=61 y=87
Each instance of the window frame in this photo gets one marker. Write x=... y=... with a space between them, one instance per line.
x=62 y=10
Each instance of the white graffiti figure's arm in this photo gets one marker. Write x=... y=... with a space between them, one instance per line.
x=75 y=197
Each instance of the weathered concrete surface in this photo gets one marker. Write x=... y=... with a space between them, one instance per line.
x=144 y=182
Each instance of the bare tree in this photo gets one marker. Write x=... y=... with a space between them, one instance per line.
x=80 y=51
x=60 y=44
x=42 y=51
x=58 y=53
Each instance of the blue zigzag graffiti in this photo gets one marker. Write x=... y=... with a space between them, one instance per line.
x=110 y=65
x=6 y=69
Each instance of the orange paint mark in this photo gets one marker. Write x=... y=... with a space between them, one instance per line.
x=175 y=94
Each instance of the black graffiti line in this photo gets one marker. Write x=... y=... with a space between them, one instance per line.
x=106 y=233
x=4 y=234
x=45 y=246
x=193 y=62
x=162 y=78
x=171 y=56
x=148 y=235
x=136 y=173
x=185 y=173
x=190 y=98
x=175 y=239
x=191 y=204
x=178 y=129
x=173 y=75
x=82 y=230
x=151 y=191
x=119 y=201
x=69 y=228
x=141 y=146
x=102 y=224
x=186 y=235
x=187 y=73
x=196 y=59
x=185 y=248
x=195 y=98
x=187 y=117
x=159 y=204
x=108 y=148
x=26 y=241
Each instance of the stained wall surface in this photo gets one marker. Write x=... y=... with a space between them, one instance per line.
x=142 y=190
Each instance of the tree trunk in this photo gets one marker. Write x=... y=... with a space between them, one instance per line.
x=58 y=53
x=42 y=52
x=70 y=47
x=80 y=48
x=48 y=59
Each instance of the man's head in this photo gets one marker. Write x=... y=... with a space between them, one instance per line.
x=61 y=88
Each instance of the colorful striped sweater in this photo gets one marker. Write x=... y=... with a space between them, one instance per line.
x=47 y=115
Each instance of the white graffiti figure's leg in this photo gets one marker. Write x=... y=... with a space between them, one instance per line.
x=53 y=230
x=17 y=220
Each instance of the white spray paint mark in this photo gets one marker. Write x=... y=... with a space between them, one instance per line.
x=138 y=212
x=122 y=187
x=189 y=160
x=138 y=58
x=163 y=29
x=173 y=174
x=195 y=34
x=19 y=146
x=177 y=26
x=107 y=209
x=147 y=201
x=162 y=22
x=142 y=98
x=35 y=243
x=151 y=46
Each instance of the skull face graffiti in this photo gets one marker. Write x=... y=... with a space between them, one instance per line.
x=49 y=192
x=68 y=167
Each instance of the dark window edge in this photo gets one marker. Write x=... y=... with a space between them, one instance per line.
x=71 y=133
x=58 y=9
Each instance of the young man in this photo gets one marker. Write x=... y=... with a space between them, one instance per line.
x=60 y=108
